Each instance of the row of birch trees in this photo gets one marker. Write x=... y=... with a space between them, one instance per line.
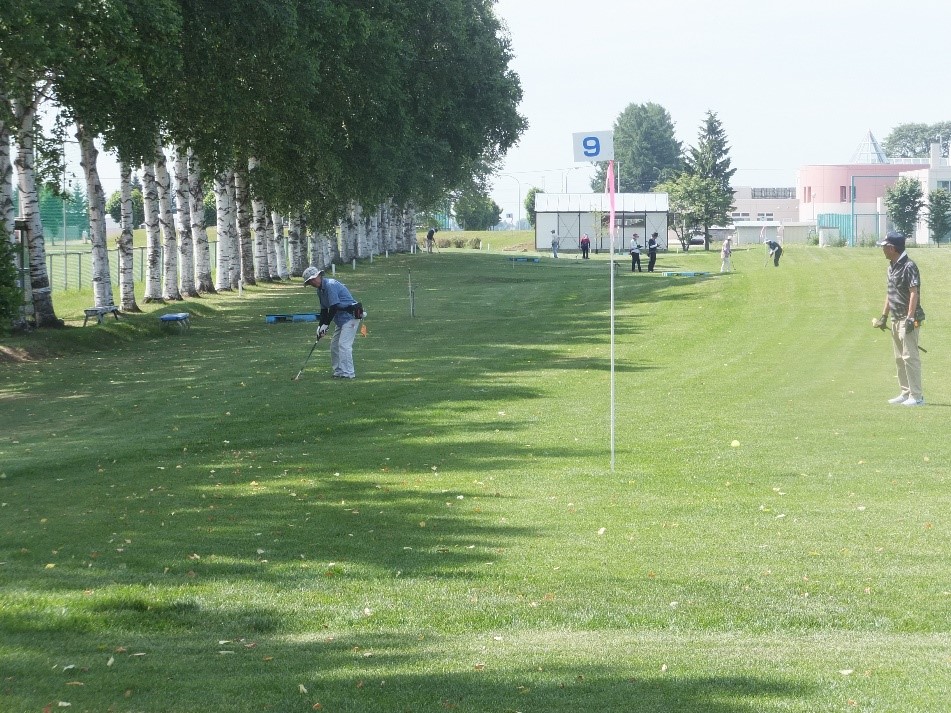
x=307 y=118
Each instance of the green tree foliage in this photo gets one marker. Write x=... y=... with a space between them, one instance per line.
x=904 y=202
x=476 y=211
x=645 y=149
x=695 y=202
x=11 y=297
x=939 y=215
x=114 y=207
x=914 y=140
x=709 y=199
x=530 y=203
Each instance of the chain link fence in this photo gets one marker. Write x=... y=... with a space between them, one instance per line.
x=72 y=269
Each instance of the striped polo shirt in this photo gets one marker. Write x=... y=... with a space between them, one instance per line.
x=902 y=276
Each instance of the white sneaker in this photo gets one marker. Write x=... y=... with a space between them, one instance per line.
x=912 y=401
x=900 y=399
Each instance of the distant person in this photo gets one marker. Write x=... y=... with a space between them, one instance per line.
x=585 y=246
x=775 y=251
x=652 y=245
x=635 y=253
x=725 y=252
x=903 y=302
x=555 y=242
x=430 y=239
x=338 y=306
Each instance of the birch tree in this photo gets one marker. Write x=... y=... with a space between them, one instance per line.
x=126 y=263
x=243 y=215
x=163 y=183
x=101 y=278
x=280 y=248
x=24 y=112
x=7 y=211
x=153 y=236
x=186 y=247
x=231 y=235
x=223 y=209
x=196 y=209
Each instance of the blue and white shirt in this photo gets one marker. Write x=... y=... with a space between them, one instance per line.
x=333 y=293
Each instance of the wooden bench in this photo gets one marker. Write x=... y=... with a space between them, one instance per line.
x=179 y=318
x=99 y=313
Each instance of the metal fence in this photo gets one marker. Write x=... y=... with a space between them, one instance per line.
x=72 y=270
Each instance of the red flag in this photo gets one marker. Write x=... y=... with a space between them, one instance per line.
x=609 y=187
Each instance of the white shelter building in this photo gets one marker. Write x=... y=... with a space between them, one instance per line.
x=572 y=215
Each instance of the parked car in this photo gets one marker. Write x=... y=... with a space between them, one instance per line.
x=697 y=239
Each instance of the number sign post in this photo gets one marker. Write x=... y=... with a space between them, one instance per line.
x=598 y=146
x=594 y=146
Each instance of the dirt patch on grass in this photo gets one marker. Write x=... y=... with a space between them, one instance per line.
x=520 y=248
x=16 y=355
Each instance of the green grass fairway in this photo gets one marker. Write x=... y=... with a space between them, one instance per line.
x=185 y=528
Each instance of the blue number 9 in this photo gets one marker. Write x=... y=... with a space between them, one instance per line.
x=591 y=145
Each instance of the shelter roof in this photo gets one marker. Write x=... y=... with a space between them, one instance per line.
x=593 y=202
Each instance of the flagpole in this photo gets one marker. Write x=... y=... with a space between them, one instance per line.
x=611 y=235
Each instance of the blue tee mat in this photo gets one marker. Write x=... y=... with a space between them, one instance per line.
x=299 y=317
x=179 y=318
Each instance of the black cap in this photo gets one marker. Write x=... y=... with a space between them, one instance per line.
x=893 y=238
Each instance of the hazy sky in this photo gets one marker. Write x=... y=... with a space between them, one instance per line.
x=796 y=82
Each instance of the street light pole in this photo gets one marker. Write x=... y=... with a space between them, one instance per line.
x=518 y=208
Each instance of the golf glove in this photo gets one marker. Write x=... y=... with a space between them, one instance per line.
x=880 y=322
x=321 y=330
x=909 y=325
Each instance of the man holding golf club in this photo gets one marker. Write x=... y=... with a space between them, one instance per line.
x=903 y=301
x=775 y=252
x=338 y=306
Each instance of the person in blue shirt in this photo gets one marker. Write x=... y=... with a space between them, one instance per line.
x=338 y=306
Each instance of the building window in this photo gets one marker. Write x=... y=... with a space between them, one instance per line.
x=739 y=217
x=946 y=185
x=764 y=216
x=773 y=193
x=807 y=198
x=843 y=194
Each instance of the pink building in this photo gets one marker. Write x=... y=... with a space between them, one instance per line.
x=849 y=198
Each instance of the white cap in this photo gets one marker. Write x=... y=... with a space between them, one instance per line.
x=310 y=273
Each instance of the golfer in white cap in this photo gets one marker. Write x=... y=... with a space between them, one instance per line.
x=338 y=306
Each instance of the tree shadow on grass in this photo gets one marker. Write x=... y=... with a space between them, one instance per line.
x=229 y=668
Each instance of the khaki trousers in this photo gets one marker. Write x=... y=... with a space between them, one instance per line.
x=907 y=359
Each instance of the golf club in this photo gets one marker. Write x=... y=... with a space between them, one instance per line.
x=297 y=378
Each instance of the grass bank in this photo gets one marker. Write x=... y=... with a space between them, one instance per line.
x=183 y=527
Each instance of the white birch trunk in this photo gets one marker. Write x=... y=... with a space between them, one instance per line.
x=169 y=240
x=348 y=233
x=295 y=245
x=126 y=274
x=96 y=197
x=39 y=290
x=233 y=238
x=7 y=210
x=153 y=236
x=186 y=247
x=409 y=226
x=395 y=234
x=261 y=268
x=196 y=209
x=280 y=245
x=223 y=210
x=271 y=251
x=243 y=214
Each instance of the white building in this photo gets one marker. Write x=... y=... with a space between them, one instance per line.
x=572 y=215
x=937 y=175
